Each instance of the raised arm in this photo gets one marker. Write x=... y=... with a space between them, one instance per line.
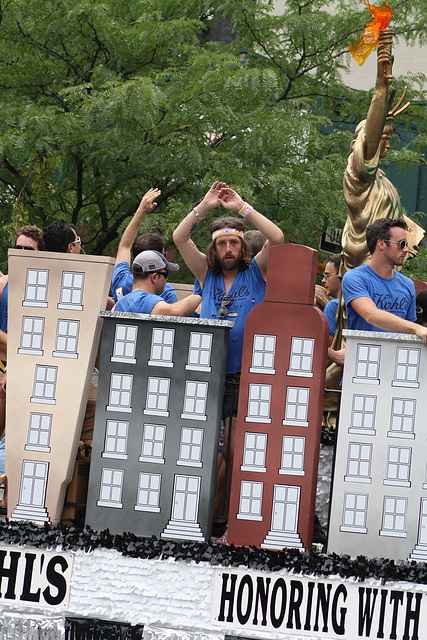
x=377 y=113
x=229 y=199
x=183 y=307
x=193 y=258
x=146 y=205
x=366 y=308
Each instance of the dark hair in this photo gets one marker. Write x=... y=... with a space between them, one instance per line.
x=139 y=274
x=381 y=230
x=58 y=235
x=31 y=232
x=255 y=239
x=231 y=223
x=335 y=258
x=148 y=241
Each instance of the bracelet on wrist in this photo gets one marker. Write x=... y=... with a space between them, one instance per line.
x=196 y=214
x=245 y=210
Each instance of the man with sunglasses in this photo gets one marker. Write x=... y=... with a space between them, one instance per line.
x=61 y=236
x=150 y=271
x=378 y=298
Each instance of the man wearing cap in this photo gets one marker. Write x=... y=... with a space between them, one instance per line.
x=150 y=271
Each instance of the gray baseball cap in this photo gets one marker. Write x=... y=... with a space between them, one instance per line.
x=151 y=260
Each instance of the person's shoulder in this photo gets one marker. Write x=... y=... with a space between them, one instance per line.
x=331 y=305
x=357 y=272
x=404 y=280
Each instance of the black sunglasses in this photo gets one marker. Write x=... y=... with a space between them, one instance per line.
x=402 y=243
x=23 y=246
x=223 y=308
x=163 y=273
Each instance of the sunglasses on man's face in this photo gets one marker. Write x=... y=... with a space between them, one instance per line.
x=165 y=274
x=23 y=246
x=402 y=243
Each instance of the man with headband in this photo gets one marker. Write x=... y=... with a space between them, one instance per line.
x=231 y=282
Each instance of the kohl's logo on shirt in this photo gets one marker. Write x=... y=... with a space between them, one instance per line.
x=390 y=303
x=240 y=294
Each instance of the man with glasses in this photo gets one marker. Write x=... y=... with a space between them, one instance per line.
x=150 y=271
x=377 y=297
x=122 y=281
x=332 y=283
x=61 y=236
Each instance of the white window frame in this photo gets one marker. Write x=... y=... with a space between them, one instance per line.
x=157 y=398
x=254 y=452
x=120 y=392
x=45 y=378
x=191 y=447
x=149 y=486
x=359 y=460
x=72 y=287
x=263 y=354
x=162 y=346
x=36 y=287
x=367 y=364
x=67 y=337
x=296 y=407
x=400 y=412
x=301 y=358
x=395 y=510
x=259 y=403
x=125 y=339
x=199 y=352
x=195 y=400
x=407 y=362
x=116 y=435
x=363 y=407
x=398 y=469
x=355 y=510
x=250 y=502
x=292 y=458
x=111 y=483
x=153 y=443
x=39 y=430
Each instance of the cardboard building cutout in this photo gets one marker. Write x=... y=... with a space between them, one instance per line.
x=157 y=421
x=53 y=333
x=279 y=417
x=379 y=499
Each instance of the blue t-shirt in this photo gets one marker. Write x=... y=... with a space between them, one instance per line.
x=3 y=308
x=138 y=301
x=247 y=290
x=122 y=283
x=330 y=312
x=395 y=295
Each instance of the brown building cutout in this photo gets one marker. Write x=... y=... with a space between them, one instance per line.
x=54 y=301
x=279 y=418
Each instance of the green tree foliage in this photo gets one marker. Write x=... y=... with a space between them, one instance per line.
x=101 y=100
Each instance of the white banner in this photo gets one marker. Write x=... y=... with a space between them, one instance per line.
x=315 y=607
x=35 y=577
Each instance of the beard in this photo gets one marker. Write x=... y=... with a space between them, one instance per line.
x=228 y=264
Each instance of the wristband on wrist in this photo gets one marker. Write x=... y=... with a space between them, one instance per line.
x=196 y=214
x=245 y=210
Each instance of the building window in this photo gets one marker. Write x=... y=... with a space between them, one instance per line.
x=359 y=462
x=394 y=517
x=44 y=384
x=32 y=336
x=398 y=466
x=354 y=513
x=254 y=452
x=407 y=367
x=199 y=352
x=250 y=500
x=363 y=414
x=67 y=335
x=153 y=443
x=195 y=399
x=292 y=456
x=36 y=288
x=301 y=357
x=157 y=401
x=296 y=408
x=402 y=418
x=120 y=393
x=190 y=448
x=116 y=438
x=110 y=493
x=263 y=354
x=39 y=432
x=367 y=364
x=162 y=341
x=125 y=343
x=148 y=495
x=72 y=290
x=259 y=402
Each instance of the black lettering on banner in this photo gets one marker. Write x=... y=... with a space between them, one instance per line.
x=380 y=632
x=246 y=581
x=277 y=621
x=227 y=596
x=10 y=573
x=307 y=625
x=323 y=602
x=57 y=580
x=366 y=609
x=412 y=614
x=262 y=589
x=27 y=595
x=339 y=627
x=295 y=604
x=396 y=597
